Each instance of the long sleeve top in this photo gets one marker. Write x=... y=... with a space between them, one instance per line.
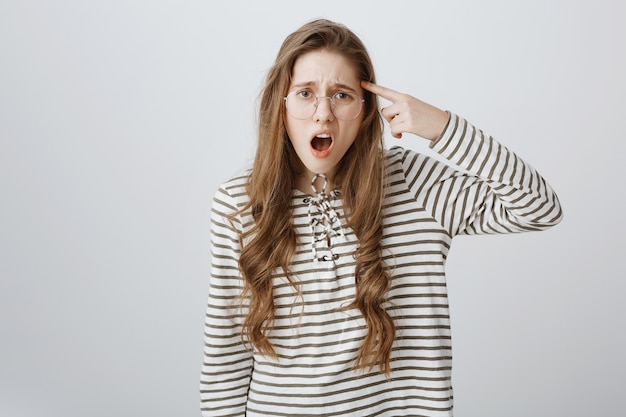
x=316 y=338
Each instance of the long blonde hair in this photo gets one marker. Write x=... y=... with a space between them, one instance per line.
x=360 y=177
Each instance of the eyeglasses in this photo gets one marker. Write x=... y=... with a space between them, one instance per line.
x=302 y=104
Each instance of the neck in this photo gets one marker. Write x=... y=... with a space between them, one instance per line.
x=323 y=182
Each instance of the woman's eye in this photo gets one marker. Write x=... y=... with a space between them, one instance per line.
x=304 y=94
x=343 y=96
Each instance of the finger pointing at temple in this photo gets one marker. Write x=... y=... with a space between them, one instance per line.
x=384 y=92
x=407 y=114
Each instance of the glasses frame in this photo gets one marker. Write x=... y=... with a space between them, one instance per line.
x=332 y=105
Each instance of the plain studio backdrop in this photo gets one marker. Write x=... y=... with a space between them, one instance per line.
x=119 y=119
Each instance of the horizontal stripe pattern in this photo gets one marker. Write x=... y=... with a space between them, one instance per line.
x=317 y=337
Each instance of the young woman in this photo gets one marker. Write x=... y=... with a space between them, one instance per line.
x=327 y=291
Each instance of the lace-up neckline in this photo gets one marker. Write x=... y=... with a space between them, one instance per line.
x=324 y=222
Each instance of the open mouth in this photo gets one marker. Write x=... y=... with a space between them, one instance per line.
x=322 y=142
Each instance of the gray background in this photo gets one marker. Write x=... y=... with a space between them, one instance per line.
x=119 y=119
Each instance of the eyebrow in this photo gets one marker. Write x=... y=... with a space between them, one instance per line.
x=313 y=83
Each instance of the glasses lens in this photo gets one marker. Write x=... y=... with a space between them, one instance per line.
x=302 y=105
x=346 y=106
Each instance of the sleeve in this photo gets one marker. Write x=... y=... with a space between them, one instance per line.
x=227 y=364
x=491 y=191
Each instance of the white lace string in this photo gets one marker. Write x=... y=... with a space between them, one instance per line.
x=323 y=218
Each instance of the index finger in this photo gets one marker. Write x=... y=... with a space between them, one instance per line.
x=384 y=92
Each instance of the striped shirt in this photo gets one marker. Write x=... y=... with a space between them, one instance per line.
x=316 y=338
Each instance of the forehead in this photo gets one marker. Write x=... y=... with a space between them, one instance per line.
x=323 y=68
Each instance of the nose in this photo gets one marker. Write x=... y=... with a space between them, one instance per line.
x=323 y=110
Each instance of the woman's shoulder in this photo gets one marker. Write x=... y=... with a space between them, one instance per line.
x=408 y=162
x=395 y=153
x=236 y=183
x=233 y=191
x=398 y=156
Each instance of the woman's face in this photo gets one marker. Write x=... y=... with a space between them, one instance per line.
x=321 y=139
